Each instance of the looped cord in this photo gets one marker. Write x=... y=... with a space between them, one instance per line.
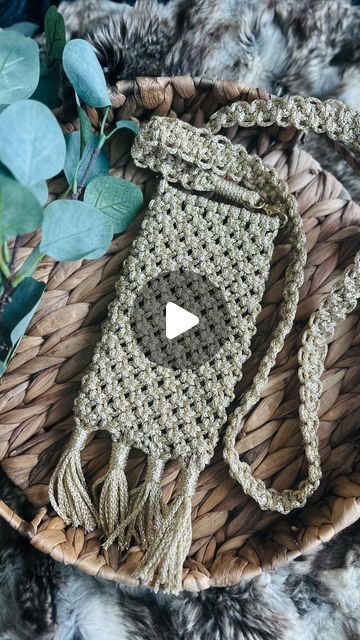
x=199 y=159
x=203 y=161
x=339 y=123
x=331 y=117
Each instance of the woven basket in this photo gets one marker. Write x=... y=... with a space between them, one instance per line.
x=232 y=538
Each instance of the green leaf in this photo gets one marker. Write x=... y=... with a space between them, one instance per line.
x=19 y=67
x=47 y=90
x=118 y=199
x=40 y=191
x=100 y=166
x=54 y=34
x=28 y=29
x=86 y=132
x=85 y=73
x=29 y=265
x=4 y=171
x=17 y=316
x=20 y=211
x=25 y=299
x=72 y=230
x=128 y=124
x=32 y=145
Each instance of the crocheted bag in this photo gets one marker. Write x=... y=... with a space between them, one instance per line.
x=172 y=413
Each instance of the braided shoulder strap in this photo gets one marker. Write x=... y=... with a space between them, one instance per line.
x=342 y=124
x=202 y=161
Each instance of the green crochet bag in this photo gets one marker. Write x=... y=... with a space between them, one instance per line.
x=178 y=413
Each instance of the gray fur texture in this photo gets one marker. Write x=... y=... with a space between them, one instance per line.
x=286 y=46
x=306 y=47
x=316 y=597
x=27 y=579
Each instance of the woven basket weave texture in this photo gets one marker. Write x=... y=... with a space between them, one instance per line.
x=232 y=538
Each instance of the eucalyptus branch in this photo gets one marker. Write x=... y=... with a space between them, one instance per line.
x=15 y=250
x=102 y=137
x=95 y=153
x=78 y=188
x=29 y=267
x=4 y=267
x=6 y=252
x=8 y=269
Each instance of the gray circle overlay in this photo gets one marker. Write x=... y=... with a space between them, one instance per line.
x=198 y=295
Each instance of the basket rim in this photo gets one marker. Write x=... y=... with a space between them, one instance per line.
x=51 y=542
x=51 y=536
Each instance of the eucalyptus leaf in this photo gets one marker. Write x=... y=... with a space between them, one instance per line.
x=72 y=230
x=19 y=67
x=40 y=191
x=29 y=265
x=128 y=124
x=86 y=132
x=47 y=90
x=17 y=316
x=54 y=34
x=100 y=166
x=32 y=145
x=118 y=199
x=85 y=73
x=28 y=29
x=19 y=312
x=4 y=171
x=20 y=211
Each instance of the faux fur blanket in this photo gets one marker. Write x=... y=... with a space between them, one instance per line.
x=316 y=597
x=306 y=47
x=287 y=46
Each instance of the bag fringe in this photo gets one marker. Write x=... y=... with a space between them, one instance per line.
x=68 y=492
x=145 y=510
x=163 y=560
x=165 y=533
x=146 y=506
x=113 y=500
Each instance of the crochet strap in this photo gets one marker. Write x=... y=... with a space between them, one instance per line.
x=322 y=324
x=332 y=117
x=199 y=160
x=342 y=124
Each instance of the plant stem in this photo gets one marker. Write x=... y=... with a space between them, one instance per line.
x=6 y=252
x=8 y=271
x=29 y=267
x=95 y=153
x=15 y=250
x=4 y=268
x=111 y=133
x=102 y=128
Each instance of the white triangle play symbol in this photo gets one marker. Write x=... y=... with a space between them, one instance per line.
x=178 y=320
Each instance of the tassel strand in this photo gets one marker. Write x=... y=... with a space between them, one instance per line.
x=68 y=492
x=113 y=500
x=163 y=559
x=145 y=509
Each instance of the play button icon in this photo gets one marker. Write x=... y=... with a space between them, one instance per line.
x=178 y=320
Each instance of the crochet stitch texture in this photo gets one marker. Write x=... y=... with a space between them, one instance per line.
x=178 y=414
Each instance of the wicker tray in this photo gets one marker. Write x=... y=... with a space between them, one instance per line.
x=232 y=538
